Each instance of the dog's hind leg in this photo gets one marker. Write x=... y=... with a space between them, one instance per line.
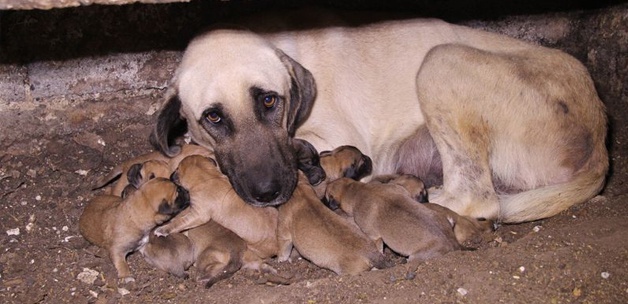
x=528 y=121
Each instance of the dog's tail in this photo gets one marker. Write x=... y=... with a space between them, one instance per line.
x=550 y=200
x=215 y=274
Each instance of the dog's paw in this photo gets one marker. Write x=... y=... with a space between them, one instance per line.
x=161 y=232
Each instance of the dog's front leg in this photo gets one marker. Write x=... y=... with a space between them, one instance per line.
x=189 y=218
x=117 y=254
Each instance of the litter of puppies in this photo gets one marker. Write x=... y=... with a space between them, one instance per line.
x=182 y=212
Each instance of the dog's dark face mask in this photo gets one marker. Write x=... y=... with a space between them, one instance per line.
x=252 y=142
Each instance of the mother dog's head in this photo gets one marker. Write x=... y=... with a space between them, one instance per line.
x=242 y=97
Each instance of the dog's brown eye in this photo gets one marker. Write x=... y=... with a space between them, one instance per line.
x=269 y=101
x=213 y=117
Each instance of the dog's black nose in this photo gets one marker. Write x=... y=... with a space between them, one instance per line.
x=266 y=191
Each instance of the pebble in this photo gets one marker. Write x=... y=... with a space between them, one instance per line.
x=88 y=276
x=463 y=292
x=123 y=291
x=605 y=275
x=536 y=228
x=15 y=231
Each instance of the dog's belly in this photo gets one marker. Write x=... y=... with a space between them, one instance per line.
x=366 y=92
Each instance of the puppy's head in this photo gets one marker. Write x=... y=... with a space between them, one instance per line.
x=193 y=170
x=346 y=161
x=162 y=197
x=414 y=186
x=243 y=98
x=139 y=174
x=335 y=192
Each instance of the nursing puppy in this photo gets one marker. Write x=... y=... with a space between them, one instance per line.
x=343 y=161
x=146 y=166
x=216 y=252
x=173 y=253
x=389 y=216
x=323 y=237
x=121 y=226
x=213 y=198
x=464 y=227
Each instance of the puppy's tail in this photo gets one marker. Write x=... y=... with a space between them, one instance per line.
x=235 y=263
x=550 y=200
x=109 y=178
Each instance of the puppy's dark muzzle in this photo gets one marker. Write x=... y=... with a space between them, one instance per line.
x=183 y=198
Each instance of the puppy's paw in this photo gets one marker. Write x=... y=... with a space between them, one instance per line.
x=161 y=231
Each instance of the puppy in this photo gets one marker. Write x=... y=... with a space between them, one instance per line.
x=464 y=227
x=389 y=216
x=121 y=226
x=173 y=254
x=213 y=198
x=215 y=251
x=323 y=237
x=150 y=167
x=344 y=161
x=412 y=184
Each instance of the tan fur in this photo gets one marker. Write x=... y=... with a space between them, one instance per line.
x=154 y=163
x=121 y=226
x=336 y=162
x=212 y=198
x=464 y=227
x=215 y=251
x=503 y=114
x=323 y=237
x=388 y=215
x=173 y=253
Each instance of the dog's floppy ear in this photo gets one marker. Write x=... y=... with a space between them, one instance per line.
x=170 y=125
x=134 y=175
x=302 y=92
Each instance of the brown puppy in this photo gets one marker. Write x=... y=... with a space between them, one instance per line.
x=323 y=237
x=121 y=226
x=389 y=216
x=173 y=254
x=464 y=227
x=344 y=161
x=215 y=251
x=213 y=198
x=155 y=168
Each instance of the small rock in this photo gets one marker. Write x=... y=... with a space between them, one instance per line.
x=577 y=292
x=536 y=228
x=31 y=173
x=81 y=172
x=463 y=292
x=123 y=291
x=15 y=231
x=38 y=198
x=88 y=276
x=605 y=275
x=522 y=269
x=410 y=275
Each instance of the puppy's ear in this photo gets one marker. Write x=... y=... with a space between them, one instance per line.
x=325 y=153
x=170 y=125
x=134 y=175
x=127 y=191
x=302 y=92
x=308 y=161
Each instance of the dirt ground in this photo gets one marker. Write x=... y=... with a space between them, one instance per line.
x=53 y=151
x=52 y=154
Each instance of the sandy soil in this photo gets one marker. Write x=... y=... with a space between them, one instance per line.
x=52 y=155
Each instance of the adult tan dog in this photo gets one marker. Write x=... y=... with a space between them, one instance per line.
x=213 y=198
x=519 y=128
x=121 y=226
